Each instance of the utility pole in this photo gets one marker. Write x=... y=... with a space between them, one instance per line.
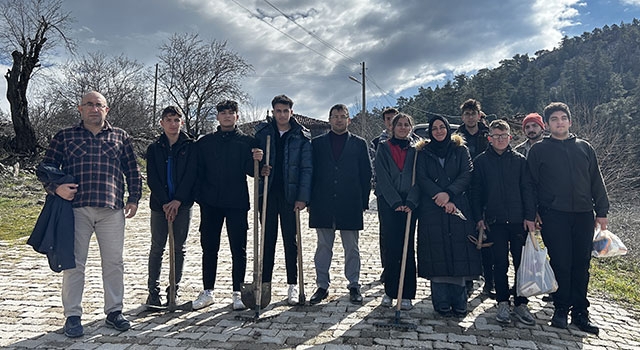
x=363 y=113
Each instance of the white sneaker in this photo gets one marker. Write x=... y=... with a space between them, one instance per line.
x=386 y=301
x=237 y=301
x=204 y=299
x=293 y=294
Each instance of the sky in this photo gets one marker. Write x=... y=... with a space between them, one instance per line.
x=309 y=49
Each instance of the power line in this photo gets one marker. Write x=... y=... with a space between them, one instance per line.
x=289 y=36
x=324 y=42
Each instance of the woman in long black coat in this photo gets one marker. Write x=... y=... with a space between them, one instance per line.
x=445 y=255
x=396 y=198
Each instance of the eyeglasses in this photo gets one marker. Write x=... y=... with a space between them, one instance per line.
x=96 y=105
x=500 y=136
x=442 y=127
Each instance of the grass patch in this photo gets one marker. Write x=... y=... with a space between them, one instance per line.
x=17 y=217
x=617 y=279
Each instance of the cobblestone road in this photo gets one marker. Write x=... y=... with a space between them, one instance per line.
x=31 y=311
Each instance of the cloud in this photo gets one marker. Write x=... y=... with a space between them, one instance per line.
x=405 y=44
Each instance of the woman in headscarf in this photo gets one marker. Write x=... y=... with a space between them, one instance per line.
x=397 y=197
x=445 y=256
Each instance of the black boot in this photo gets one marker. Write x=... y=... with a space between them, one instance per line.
x=581 y=320
x=559 y=319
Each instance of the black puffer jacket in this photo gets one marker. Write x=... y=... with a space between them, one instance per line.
x=443 y=247
x=184 y=171
x=501 y=190
x=297 y=163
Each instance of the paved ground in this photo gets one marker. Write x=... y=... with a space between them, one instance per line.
x=31 y=311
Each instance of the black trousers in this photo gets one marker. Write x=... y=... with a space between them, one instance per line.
x=506 y=238
x=393 y=224
x=277 y=207
x=568 y=237
x=211 y=220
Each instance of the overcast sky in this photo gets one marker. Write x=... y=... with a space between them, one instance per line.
x=405 y=44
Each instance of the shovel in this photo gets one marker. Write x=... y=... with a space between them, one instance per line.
x=256 y=295
x=301 y=297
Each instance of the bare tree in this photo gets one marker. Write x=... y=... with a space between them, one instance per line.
x=29 y=28
x=124 y=82
x=197 y=74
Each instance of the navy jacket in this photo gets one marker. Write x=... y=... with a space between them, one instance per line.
x=297 y=165
x=54 y=231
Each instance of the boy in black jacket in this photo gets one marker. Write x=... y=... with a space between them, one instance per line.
x=171 y=175
x=225 y=158
x=503 y=204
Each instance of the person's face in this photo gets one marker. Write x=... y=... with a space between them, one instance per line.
x=339 y=121
x=171 y=124
x=559 y=124
x=470 y=118
x=402 y=128
x=439 y=130
x=499 y=140
x=282 y=113
x=227 y=118
x=93 y=109
x=387 y=121
x=533 y=130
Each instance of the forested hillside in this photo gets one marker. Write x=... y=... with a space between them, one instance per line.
x=597 y=74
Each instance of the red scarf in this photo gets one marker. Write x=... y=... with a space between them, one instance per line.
x=398 y=154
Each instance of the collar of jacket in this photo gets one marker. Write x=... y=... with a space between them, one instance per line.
x=183 y=137
x=493 y=152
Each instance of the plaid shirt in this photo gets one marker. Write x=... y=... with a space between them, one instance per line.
x=98 y=163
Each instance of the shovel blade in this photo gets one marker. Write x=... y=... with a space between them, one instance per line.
x=249 y=298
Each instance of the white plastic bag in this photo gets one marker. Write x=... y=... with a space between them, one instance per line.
x=606 y=244
x=535 y=276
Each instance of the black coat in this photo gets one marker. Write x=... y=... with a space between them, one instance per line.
x=501 y=189
x=340 y=187
x=54 y=232
x=224 y=161
x=443 y=246
x=184 y=171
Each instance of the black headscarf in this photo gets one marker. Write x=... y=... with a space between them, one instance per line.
x=439 y=148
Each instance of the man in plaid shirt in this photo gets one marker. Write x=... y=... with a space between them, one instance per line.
x=100 y=157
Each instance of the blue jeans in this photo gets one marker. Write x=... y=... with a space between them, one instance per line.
x=448 y=297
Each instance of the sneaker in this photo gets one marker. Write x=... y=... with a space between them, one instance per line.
x=523 y=315
x=117 y=321
x=559 y=319
x=581 y=320
x=153 y=300
x=73 y=327
x=386 y=301
x=204 y=299
x=293 y=294
x=237 y=301
x=406 y=304
x=503 y=315
x=488 y=292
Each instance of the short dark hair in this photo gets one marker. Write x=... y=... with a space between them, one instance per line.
x=554 y=107
x=471 y=104
x=397 y=117
x=389 y=110
x=282 y=99
x=227 y=104
x=172 y=110
x=339 y=107
x=500 y=125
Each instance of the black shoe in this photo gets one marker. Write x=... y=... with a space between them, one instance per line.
x=354 y=296
x=581 y=320
x=318 y=296
x=73 y=327
x=489 y=293
x=117 y=321
x=559 y=319
x=547 y=298
x=153 y=300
